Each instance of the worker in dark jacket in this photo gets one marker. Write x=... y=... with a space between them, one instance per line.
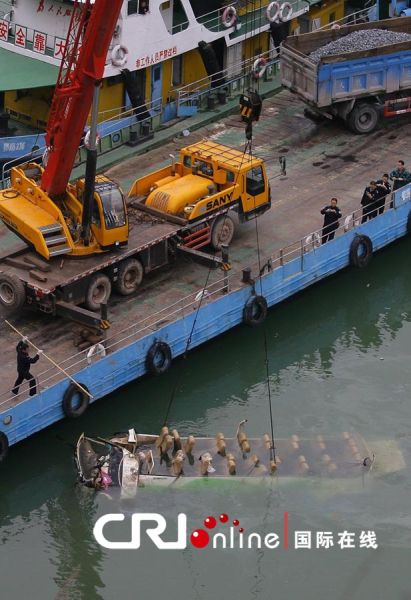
x=400 y=176
x=384 y=188
x=369 y=201
x=24 y=362
x=331 y=216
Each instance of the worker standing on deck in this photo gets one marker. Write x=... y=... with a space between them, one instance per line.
x=400 y=176
x=369 y=202
x=384 y=188
x=332 y=214
x=24 y=361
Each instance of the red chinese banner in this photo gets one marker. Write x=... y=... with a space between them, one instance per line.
x=39 y=42
x=4 y=30
x=59 y=46
x=20 y=36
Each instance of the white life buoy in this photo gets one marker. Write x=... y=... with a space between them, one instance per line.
x=97 y=350
x=201 y=295
x=312 y=241
x=119 y=56
x=286 y=11
x=273 y=11
x=229 y=16
x=349 y=222
x=259 y=67
x=87 y=139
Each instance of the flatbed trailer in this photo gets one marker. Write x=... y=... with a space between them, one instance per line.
x=59 y=286
x=62 y=282
x=359 y=87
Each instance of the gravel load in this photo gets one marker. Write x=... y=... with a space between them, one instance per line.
x=365 y=39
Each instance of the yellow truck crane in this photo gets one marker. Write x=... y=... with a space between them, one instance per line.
x=185 y=206
x=207 y=181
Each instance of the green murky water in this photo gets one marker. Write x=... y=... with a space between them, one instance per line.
x=327 y=376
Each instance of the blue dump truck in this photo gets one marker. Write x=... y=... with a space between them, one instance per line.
x=360 y=86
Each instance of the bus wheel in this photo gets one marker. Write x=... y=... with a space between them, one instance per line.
x=129 y=277
x=222 y=232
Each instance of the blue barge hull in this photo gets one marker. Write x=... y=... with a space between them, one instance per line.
x=214 y=318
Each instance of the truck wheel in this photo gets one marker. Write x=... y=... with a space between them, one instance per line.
x=130 y=275
x=99 y=290
x=222 y=232
x=12 y=292
x=363 y=118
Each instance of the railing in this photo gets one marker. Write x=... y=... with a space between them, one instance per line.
x=316 y=238
x=360 y=16
x=195 y=94
x=187 y=304
x=249 y=21
x=114 y=132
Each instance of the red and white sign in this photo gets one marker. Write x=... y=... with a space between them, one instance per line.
x=39 y=42
x=20 y=36
x=4 y=30
x=53 y=8
x=146 y=61
x=59 y=47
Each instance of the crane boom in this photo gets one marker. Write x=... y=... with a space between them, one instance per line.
x=88 y=39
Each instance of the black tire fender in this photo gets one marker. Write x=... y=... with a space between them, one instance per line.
x=255 y=311
x=409 y=223
x=159 y=358
x=361 y=250
x=69 y=408
x=4 y=446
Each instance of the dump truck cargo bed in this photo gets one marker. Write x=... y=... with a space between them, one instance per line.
x=343 y=77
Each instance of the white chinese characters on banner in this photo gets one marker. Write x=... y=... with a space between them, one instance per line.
x=20 y=36
x=59 y=46
x=4 y=30
x=39 y=42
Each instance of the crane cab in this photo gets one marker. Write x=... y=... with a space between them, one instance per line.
x=109 y=223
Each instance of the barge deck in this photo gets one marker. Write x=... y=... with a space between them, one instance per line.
x=323 y=161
